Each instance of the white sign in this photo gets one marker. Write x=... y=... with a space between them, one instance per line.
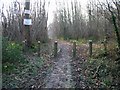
x=27 y=22
x=27 y=0
x=27 y=12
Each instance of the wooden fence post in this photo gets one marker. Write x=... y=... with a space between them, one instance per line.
x=55 y=48
x=74 y=49
x=90 y=48
x=105 y=46
x=38 y=48
x=24 y=45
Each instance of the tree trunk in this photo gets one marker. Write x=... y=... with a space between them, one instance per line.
x=115 y=26
x=116 y=30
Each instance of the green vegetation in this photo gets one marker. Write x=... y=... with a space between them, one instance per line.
x=102 y=70
x=14 y=75
x=11 y=52
x=101 y=73
x=79 y=41
x=20 y=67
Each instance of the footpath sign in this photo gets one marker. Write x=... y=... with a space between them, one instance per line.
x=27 y=22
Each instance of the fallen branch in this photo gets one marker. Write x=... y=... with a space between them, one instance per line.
x=96 y=71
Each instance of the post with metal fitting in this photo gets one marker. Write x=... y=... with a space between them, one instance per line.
x=24 y=45
x=90 y=48
x=55 y=48
x=74 y=49
x=38 y=48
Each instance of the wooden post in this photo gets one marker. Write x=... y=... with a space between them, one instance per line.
x=38 y=48
x=74 y=49
x=90 y=48
x=24 y=45
x=55 y=48
x=27 y=27
x=1 y=29
x=105 y=46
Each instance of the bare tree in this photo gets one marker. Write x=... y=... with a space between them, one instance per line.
x=13 y=22
x=70 y=20
x=40 y=17
x=111 y=11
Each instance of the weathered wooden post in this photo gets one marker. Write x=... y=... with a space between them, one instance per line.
x=105 y=46
x=74 y=49
x=27 y=22
x=38 y=48
x=55 y=48
x=90 y=48
x=24 y=45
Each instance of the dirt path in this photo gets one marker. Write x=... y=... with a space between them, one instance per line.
x=60 y=76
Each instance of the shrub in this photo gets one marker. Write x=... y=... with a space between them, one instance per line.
x=11 y=52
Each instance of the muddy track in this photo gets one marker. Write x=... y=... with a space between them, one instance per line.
x=60 y=75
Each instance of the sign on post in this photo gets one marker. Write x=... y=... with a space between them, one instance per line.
x=27 y=12
x=27 y=22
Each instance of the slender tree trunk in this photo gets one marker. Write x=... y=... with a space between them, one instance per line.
x=115 y=26
x=116 y=29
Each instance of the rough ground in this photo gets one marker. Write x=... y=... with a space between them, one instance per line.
x=60 y=76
